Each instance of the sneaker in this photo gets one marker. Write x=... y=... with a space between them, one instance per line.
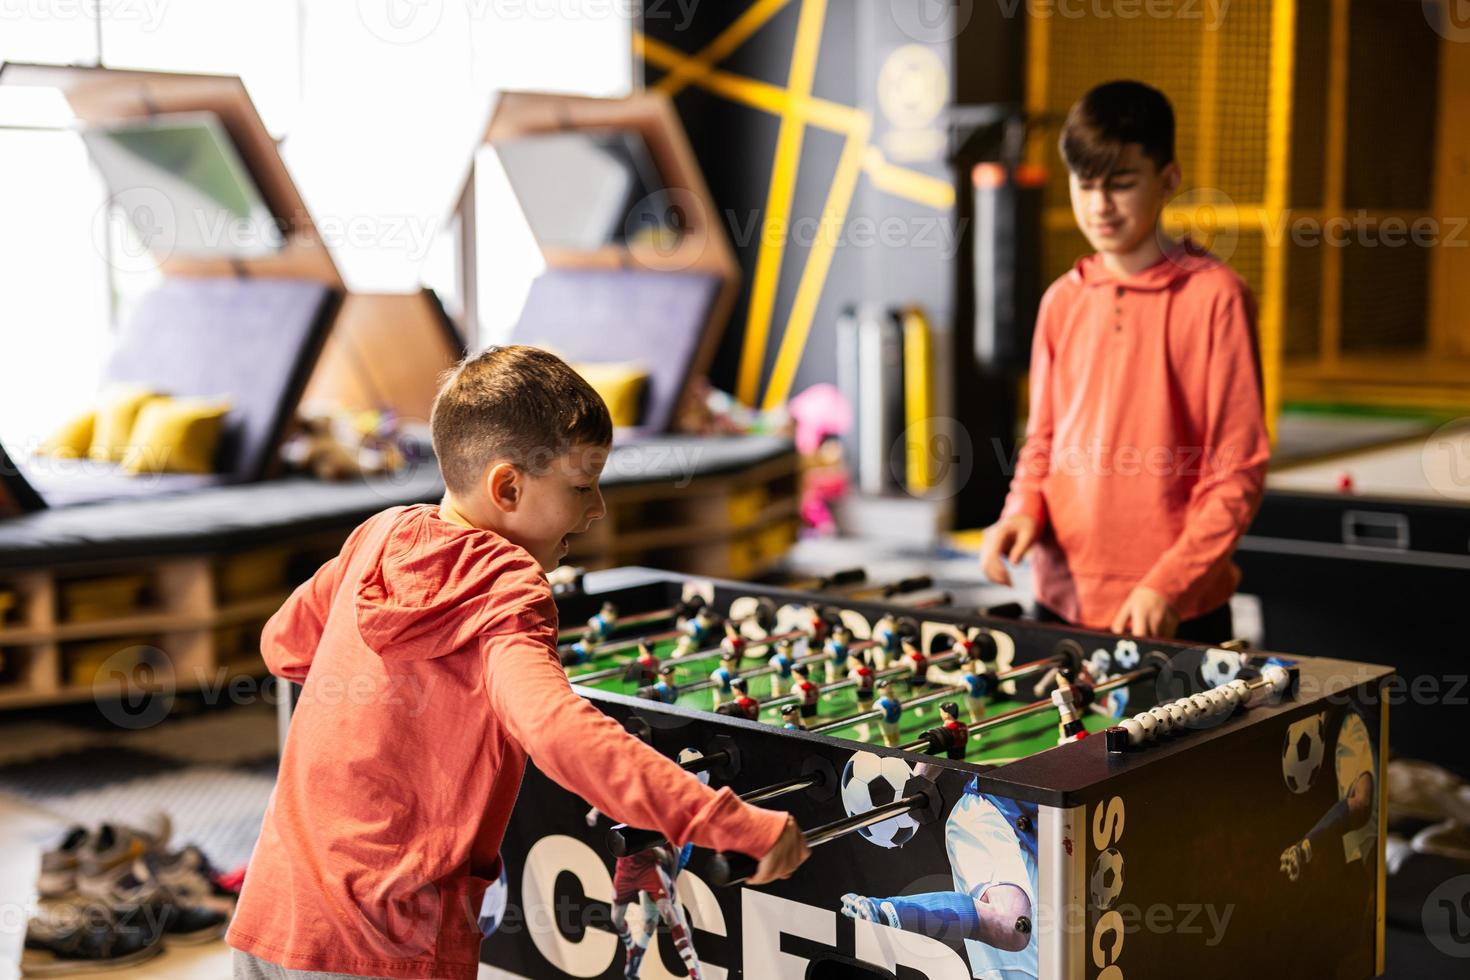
x=137 y=899
x=73 y=936
x=191 y=880
x=59 y=865
x=114 y=846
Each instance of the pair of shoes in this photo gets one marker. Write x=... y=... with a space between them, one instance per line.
x=84 y=852
x=113 y=897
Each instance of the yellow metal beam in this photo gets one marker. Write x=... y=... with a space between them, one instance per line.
x=1334 y=176
x=1278 y=163
x=911 y=185
x=776 y=220
x=753 y=19
x=814 y=273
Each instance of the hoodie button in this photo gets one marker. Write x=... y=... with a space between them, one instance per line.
x=1119 y=291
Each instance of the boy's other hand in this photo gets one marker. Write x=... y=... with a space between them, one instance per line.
x=1145 y=613
x=1010 y=537
x=785 y=857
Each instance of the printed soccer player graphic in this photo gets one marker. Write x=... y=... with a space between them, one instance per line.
x=991 y=843
x=648 y=877
x=1354 y=817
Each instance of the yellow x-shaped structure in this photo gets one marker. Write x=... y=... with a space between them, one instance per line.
x=797 y=109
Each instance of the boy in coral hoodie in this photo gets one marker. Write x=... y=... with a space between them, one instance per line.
x=1146 y=446
x=427 y=655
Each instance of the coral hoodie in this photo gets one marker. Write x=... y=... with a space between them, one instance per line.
x=427 y=652
x=1146 y=446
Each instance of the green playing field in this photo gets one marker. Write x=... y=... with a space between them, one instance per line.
x=1013 y=739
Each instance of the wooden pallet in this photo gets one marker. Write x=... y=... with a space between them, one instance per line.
x=82 y=632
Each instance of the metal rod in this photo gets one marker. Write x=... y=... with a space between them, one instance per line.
x=1025 y=670
x=704 y=653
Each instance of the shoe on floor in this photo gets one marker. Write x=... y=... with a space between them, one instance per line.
x=59 y=865
x=114 y=845
x=191 y=880
x=75 y=936
x=137 y=899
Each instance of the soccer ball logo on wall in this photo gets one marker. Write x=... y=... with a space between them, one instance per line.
x=870 y=781
x=1107 y=879
x=1301 y=755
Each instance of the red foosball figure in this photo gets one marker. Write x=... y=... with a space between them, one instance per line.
x=733 y=643
x=862 y=675
x=805 y=690
x=952 y=736
x=914 y=658
x=647 y=663
x=744 y=705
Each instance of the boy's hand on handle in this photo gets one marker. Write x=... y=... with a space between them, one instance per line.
x=788 y=854
x=1010 y=537
x=1145 y=613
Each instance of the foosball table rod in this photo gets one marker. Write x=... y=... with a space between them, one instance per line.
x=921 y=798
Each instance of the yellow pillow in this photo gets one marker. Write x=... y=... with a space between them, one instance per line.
x=117 y=410
x=175 y=435
x=73 y=440
x=621 y=386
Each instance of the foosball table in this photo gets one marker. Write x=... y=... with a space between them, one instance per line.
x=985 y=797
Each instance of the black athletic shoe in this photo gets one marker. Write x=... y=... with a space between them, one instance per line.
x=75 y=936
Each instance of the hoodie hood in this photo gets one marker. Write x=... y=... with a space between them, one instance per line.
x=1184 y=258
x=426 y=590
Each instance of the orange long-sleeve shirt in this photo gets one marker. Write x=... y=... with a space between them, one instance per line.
x=1146 y=447
x=428 y=657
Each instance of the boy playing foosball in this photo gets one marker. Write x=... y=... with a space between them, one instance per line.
x=427 y=655
x=1146 y=447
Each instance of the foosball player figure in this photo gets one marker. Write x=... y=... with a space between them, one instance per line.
x=791 y=717
x=807 y=691
x=892 y=709
x=885 y=636
x=665 y=689
x=1070 y=699
x=783 y=660
x=742 y=705
x=578 y=653
x=863 y=677
x=979 y=682
x=645 y=668
x=600 y=626
x=952 y=736
x=733 y=642
x=816 y=629
x=723 y=677
x=837 y=648
x=977 y=644
x=699 y=626
x=918 y=664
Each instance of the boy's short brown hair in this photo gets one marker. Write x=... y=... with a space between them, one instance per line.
x=516 y=403
x=1111 y=116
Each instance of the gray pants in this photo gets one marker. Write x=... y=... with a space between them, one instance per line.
x=249 y=967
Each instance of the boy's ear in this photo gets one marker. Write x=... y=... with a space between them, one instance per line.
x=1172 y=176
x=504 y=486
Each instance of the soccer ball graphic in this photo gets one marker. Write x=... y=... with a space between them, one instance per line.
x=1126 y=655
x=1107 y=879
x=869 y=781
x=1219 y=667
x=1301 y=756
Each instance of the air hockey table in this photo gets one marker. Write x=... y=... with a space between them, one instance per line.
x=1361 y=550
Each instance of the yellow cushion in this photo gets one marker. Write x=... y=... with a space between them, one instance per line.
x=175 y=435
x=117 y=410
x=621 y=386
x=73 y=440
